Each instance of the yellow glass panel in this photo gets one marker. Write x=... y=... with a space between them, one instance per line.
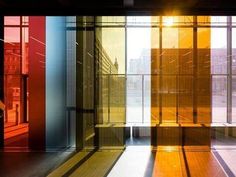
x=203 y=20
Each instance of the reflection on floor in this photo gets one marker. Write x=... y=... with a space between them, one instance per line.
x=16 y=136
x=140 y=141
x=25 y=164
x=134 y=162
x=227 y=160
x=141 y=161
x=70 y=164
x=88 y=164
x=98 y=164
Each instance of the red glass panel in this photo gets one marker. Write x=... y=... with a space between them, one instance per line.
x=15 y=64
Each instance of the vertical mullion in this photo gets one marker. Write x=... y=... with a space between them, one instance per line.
x=108 y=96
x=96 y=84
x=195 y=79
x=22 y=114
x=229 y=69
x=125 y=70
x=142 y=98
x=160 y=74
x=1 y=80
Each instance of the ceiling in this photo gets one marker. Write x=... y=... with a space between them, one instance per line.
x=117 y=7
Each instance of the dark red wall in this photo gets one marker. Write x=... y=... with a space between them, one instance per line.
x=37 y=82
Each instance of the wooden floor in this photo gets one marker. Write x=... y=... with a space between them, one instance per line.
x=142 y=161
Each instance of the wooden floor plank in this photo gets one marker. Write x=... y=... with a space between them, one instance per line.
x=65 y=167
x=203 y=164
x=98 y=164
x=168 y=164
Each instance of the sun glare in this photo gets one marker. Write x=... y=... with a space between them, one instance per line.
x=168 y=21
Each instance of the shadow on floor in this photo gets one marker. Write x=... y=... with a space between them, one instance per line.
x=33 y=164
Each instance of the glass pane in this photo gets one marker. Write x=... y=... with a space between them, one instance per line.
x=212 y=20
x=88 y=129
x=203 y=20
x=218 y=20
x=203 y=95
x=185 y=99
x=155 y=71
x=25 y=20
x=218 y=51
x=113 y=45
x=138 y=50
x=71 y=22
x=117 y=98
x=110 y=57
x=71 y=79
x=170 y=52
x=155 y=98
x=139 y=63
x=111 y=21
x=203 y=44
x=147 y=98
x=12 y=59
x=134 y=99
x=219 y=98
x=25 y=50
x=12 y=20
x=234 y=99
x=103 y=108
x=203 y=80
x=140 y=20
x=12 y=35
x=169 y=21
x=233 y=50
x=169 y=98
x=185 y=61
x=12 y=98
x=234 y=20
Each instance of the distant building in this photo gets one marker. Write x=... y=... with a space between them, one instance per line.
x=106 y=66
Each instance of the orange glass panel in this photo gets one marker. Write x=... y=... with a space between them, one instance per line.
x=203 y=78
